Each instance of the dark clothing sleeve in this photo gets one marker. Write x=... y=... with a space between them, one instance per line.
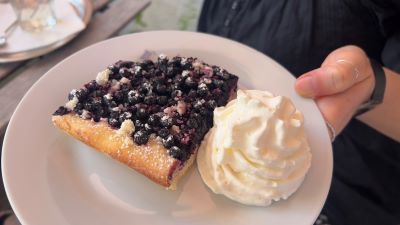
x=299 y=34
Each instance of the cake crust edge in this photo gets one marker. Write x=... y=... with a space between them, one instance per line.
x=151 y=159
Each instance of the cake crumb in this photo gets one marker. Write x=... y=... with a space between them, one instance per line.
x=181 y=107
x=72 y=103
x=125 y=80
x=102 y=77
x=127 y=128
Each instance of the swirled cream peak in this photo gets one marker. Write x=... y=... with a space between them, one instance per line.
x=257 y=150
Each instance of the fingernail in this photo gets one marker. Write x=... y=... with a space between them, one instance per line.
x=304 y=86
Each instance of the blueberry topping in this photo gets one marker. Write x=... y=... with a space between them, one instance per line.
x=192 y=123
x=190 y=83
x=138 y=124
x=118 y=96
x=148 y=128
x=212 y=104
x=154 y=120
x=141 y=113
x=168 y=141
x=171 y=71
x=150 y=100
x=177 y=153
x=176 y=93
x=151 y=95
x=80 y=94
x=166 y=122
x=161 y=88
x=125 y=116
x=192 y=94
x=203 y=91
x=141 y=137
x=124 y=72
x=162 y=100
x=125 y=63
x=134 y=98
x=91 y=86
x=61 y=111
x=163 y=132
x=114 y=122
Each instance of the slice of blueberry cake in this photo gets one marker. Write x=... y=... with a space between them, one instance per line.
x=150 y=115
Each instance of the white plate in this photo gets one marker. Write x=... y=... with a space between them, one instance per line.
x=52 y=179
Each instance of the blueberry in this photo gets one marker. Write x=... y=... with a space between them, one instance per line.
x=98 y=93
x=111 y=104
x=96 y=118
x=176 y=61
x=148 y=128
x=205 y=112
x=103 y=112
x=154 y=109
x=163 y=68
x=159 y=80
x=176 y=93
x=161 y=88
x=141 y=137
x=141 y=113
x=145 y=88
x=154 y=120
x=138 y=124
x=150 y=100
x=131 y=108
x=212 y=104
x=171 y=72
x=164 y=132
x=177 y=153
x=124 y=72
x=226 y=76
x=134 y=99
x=125 y=63
x=190 y=83
x=89 y=106
x=217 y=92
x=166 y=122
x=81 y=94
x=79 y=106
x=113 y=68
x=168 y=141
x=61 y=111
x=114 y=122
x=114 y=114
x=192 y=94
x=147 y=64
x=162 y=61
x=203 y=91
x=114 y=74
x=91 y=86
x=118 y=96
x=125 y=116
x=162 y=100
x=125 y=88
x=192 y=123
x=217 y=83
x=179 y=80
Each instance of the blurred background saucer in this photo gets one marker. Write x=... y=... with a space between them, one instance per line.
x=44 y=42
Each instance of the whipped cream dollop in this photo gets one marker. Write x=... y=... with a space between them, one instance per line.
x=257 y=150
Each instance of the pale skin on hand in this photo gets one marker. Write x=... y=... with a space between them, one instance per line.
x=344 y=81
